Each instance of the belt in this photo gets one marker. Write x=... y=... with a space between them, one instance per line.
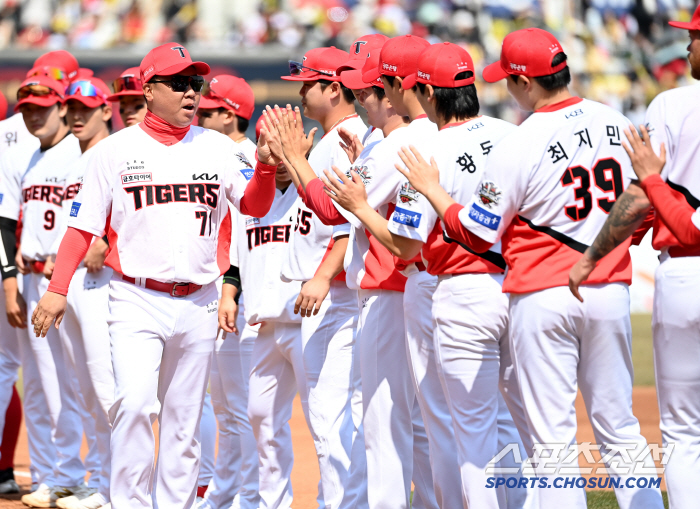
x=421 y=267
x=37 y=267
x=682 y=252
x=174 y=289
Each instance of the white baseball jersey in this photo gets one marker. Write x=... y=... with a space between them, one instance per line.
x=37 y=190
x=368 y=264
x=311 y=239
x=14 y=133
x=460 y=151
x=547 y=190
x=164 y=207
x=263 y=245
x=247 y=150
x=672 y=119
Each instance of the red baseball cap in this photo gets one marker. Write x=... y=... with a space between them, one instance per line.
x=91 y=91
x=526 y=52
x=3 y=107
x=168 y=59
x=354 y=79
x=399 y=57
x=693 y=24
x=439 y=64
x=230 y=92
x=317 y=64
x=360 y=50
x=40 y=90
x=128 y=83
x=60 y=59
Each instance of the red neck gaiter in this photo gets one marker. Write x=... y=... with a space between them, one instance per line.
x=162 y=131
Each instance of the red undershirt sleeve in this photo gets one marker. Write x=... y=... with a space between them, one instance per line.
x=456 y=230
x=260 y=192
x=322 y=205
x=71 y=252
x=302 y=194
x=673 y=209
x=640 y=232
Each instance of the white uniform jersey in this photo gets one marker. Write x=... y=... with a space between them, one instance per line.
x=38 y=191
x=368 y=264
x=460 y=152
x=247 y=149
x=672 y=119
x=14 y=134
x=547 y=190
x=311 y=239
x=164 y=207
x=263 y=245
x=371 y=135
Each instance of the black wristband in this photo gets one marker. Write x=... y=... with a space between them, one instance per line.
x=106 y=240
x=8 y=244
x=233 y=277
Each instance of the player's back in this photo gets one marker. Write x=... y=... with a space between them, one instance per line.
x=548 y=189
x=14 y=134
x=672 y=119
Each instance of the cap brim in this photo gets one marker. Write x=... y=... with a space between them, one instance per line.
x=371 y=75
x=45 y=101
x=409 y=81
x=199 y=67
x=124 y=93
x=208 y=103
x=351 y=65
x=90 y=102
x=494 y=72
x=685 y=25
x=353 y=80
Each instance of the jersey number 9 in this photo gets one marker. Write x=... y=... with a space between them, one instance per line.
x=50 y=218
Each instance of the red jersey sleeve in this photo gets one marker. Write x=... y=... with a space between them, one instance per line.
x=456 y=230
x=71 y=252
x=673 y=209
x=322 y=205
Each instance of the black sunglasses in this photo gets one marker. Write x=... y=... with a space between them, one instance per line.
x=295 y=69
x=182 y=83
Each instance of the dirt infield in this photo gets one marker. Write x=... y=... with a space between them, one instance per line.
x=305 y=475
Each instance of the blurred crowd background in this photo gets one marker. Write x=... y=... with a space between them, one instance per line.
x=621 y=52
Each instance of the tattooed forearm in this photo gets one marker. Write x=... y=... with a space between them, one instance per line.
x=627 y=214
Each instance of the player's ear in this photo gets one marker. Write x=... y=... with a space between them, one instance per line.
x=430 y=93
x=107 y=112
x=229 y=117
x=397 y=84
x=335 y=89
x=62 y=110
x=148 y=91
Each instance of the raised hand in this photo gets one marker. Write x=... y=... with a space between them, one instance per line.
x=265 y=151
x=349 y=193
x=350 y=143
x=644 y=161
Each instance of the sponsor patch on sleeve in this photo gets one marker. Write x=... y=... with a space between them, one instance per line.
x=407 y=217
x=248 y=173
x=74 y=208
x=484 y=217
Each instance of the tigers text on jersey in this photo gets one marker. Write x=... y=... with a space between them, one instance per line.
x=368 y=264
x=38 y=190
x=164 y=208
x=14 y=133
x=311 y=239
x=262 y=246
x=460 y=151
x=547 y=190
x=672 y=119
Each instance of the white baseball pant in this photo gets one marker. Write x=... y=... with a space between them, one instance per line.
x=584 y=346
x=235 y=481
x=473 y=359
x=207 y=433
x=62 y=405
x=422 y=475
x=161 y=352
x=85 y=338
x=443 y=468
x=388 y=399
x=276 y=373
x=676 y=326
x=329 y=349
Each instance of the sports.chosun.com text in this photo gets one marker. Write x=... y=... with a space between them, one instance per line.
x=573 y=482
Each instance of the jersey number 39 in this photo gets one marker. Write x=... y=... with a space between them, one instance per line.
x=607 y=175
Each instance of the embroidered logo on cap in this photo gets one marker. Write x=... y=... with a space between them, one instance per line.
x=179 y=49
x=358 y=46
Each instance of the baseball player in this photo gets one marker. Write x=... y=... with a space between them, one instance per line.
x=227 y=107
x=144 y=185
x=329 y=309
x=84 y=333
x=548 y=204
x=673 y=192
x=37 y=191
x=128 y=92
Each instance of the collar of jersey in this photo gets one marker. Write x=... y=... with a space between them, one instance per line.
x=560 y=105
x=456 y=124
x=162 y=131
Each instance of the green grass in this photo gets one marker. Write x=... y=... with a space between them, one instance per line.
x=642 y=356
x=606 y=500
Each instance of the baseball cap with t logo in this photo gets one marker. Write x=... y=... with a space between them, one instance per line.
x=317 y=64
x=527 y=52
x=169 y=59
